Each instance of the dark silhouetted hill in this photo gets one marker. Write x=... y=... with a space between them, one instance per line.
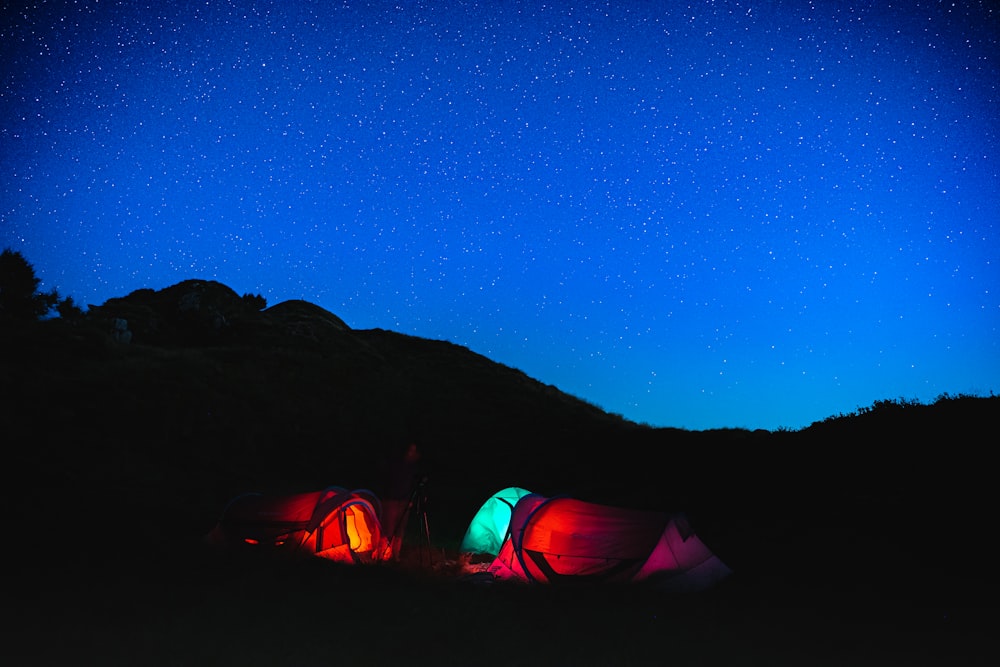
x=151 y=411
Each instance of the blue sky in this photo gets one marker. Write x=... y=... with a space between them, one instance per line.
x=700 y=215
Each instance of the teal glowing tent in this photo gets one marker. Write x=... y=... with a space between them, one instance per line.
x=488 y=528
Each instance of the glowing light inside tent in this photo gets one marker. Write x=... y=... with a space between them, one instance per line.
x=334 y=523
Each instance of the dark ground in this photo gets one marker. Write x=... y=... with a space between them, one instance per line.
x=187 y=608
x=833 y=594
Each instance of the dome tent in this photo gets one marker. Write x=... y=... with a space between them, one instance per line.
x=563 y=540
x=335 y=523
x=488 y=528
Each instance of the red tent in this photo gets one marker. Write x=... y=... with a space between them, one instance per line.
x=563 y=540
x=334 y=523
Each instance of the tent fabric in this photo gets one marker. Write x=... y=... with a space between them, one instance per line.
x=488 y=528
x=335 y=523
x=564 y=540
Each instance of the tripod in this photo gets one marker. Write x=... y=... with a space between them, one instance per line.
x=416 y=509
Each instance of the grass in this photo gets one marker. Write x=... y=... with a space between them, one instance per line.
x=185 y=605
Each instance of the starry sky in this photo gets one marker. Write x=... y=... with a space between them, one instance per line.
x=752 y=214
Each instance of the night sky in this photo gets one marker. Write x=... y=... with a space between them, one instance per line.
x=698 y=215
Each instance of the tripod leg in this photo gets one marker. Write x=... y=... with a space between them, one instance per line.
x=397 y=513
x=426 y=537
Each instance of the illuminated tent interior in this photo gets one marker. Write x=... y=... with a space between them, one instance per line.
x=488 y=528
x=563 y=540
x=335 y=523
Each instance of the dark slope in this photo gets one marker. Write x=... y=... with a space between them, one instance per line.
x=213 y=396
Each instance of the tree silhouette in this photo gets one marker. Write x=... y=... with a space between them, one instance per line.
x=20 y=300
x=68 y=310
x=255 y=301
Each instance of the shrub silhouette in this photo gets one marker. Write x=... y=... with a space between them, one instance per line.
x=255 y=301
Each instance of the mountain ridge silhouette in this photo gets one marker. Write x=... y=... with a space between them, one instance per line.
x=214 y=395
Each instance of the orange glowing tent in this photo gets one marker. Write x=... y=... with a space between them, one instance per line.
x=335 y=523
x=563 y=540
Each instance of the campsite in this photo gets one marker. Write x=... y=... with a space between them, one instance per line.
x=864 y=539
